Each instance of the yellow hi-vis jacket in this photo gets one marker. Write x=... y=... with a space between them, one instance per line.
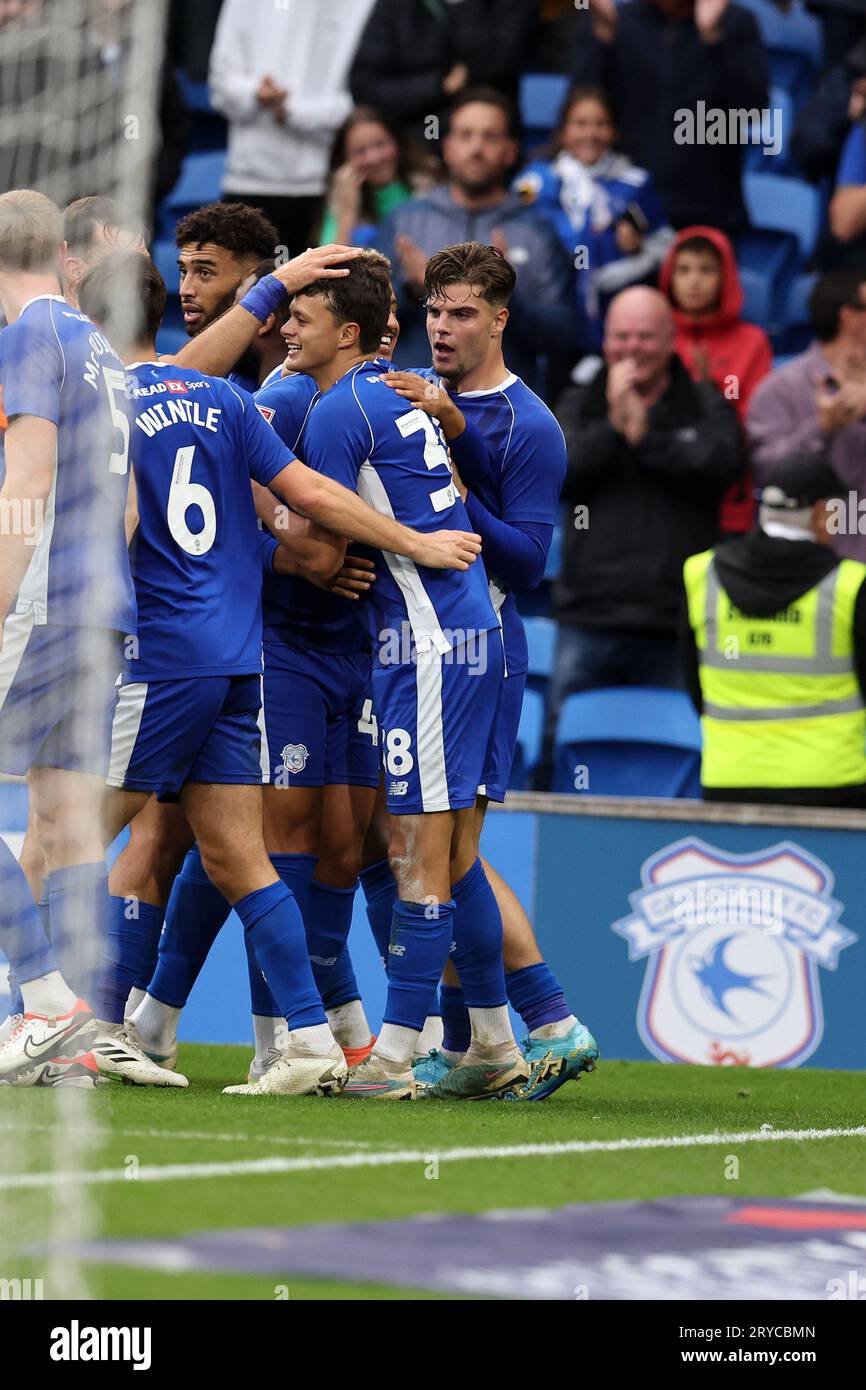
x=782 y=703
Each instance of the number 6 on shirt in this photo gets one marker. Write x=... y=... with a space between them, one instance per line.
x=181 y=496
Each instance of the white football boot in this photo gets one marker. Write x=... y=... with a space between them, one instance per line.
x=119 y=1057
x=262 y=1062
x=298 y=1073
x=33 y=1039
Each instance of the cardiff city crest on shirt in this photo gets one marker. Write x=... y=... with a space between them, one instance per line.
x=294 y=757
x=733 y=945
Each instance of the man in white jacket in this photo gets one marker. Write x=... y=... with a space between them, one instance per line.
x=279 y=74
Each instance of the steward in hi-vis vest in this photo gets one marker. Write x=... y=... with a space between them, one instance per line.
x=775 y=650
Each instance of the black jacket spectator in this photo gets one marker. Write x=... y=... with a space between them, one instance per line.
x=410 y=47
x=649 y=507
x=655 y=67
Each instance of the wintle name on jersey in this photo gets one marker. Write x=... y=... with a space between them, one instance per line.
x=178 y=409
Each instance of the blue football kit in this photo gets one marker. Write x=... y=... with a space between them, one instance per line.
x=62 y=639
x=317 y=712
x=190 y=695
x=513 y=504
x=438 y=656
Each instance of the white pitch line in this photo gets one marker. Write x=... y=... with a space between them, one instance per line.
x=257 y=1167
x=203 y=1136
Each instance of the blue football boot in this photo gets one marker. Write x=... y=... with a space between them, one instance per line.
x=555 y=1061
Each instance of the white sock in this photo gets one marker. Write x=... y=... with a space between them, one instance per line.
x=490 y=1028
x=271 y=1034
x=156 y=1023
x=135 y=997
x=49 y=996
x=397 y=1044
x=431 y=1035
x=349 y=1024
x=318 y=1040
x=452 y=1057
x=560 y=1029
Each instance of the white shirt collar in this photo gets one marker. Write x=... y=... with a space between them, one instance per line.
x=490 y=391
x=37 y=297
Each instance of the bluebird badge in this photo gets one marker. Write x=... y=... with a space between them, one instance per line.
x=733 y=944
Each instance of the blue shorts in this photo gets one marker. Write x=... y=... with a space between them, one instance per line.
x=437 y=717
x=318 y=728
x=497 y=771
x=57 y=693
x=201 y=729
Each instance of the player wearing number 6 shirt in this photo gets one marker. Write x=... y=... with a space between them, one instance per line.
x=186 y=725
x=436 y=677
x=66 y=600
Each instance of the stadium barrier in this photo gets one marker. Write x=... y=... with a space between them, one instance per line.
x=681 y=930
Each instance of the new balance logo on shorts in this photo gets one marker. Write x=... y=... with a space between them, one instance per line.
x=398 y=788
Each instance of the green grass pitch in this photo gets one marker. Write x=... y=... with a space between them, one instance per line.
x=144 y=1130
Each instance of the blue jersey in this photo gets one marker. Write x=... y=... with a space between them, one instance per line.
x=197 y=555
x=583 y=204
x=365 y=437
x=528 y=456
x=56 y=365
x=294 y=610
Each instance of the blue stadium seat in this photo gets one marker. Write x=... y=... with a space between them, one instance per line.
x=164 y=253
x=540 y=100
x=528 y=740
x=797 y=300
x=793 y=41
x=777 y=203
x=779 y=126
x=757 y=295
x=200 y=181
x=796 y=333
x=195 y=94
x=540 y=640
x=631 y=741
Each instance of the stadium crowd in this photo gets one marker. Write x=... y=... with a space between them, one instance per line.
x=588 y=298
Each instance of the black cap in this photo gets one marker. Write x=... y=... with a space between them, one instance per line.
x=800 y=480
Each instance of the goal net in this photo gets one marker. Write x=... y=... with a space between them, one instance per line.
x=80 y=85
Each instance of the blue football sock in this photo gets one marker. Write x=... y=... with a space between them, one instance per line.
x=22 y=939
x=535 y=993
x=418 y=955
x=262 y=1002
x=478 y=941
x=273 y=922
x=130 y=954
x=457 y=1029
x=152 y=921
x=79 y=909
x=195 y=914
x=42 y=907
x=380 y=890
x=327 y=919
x=295 y=870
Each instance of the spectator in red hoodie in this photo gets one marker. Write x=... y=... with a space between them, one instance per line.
x=700 y=278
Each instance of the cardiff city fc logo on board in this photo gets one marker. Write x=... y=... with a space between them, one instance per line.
x=733 y=943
